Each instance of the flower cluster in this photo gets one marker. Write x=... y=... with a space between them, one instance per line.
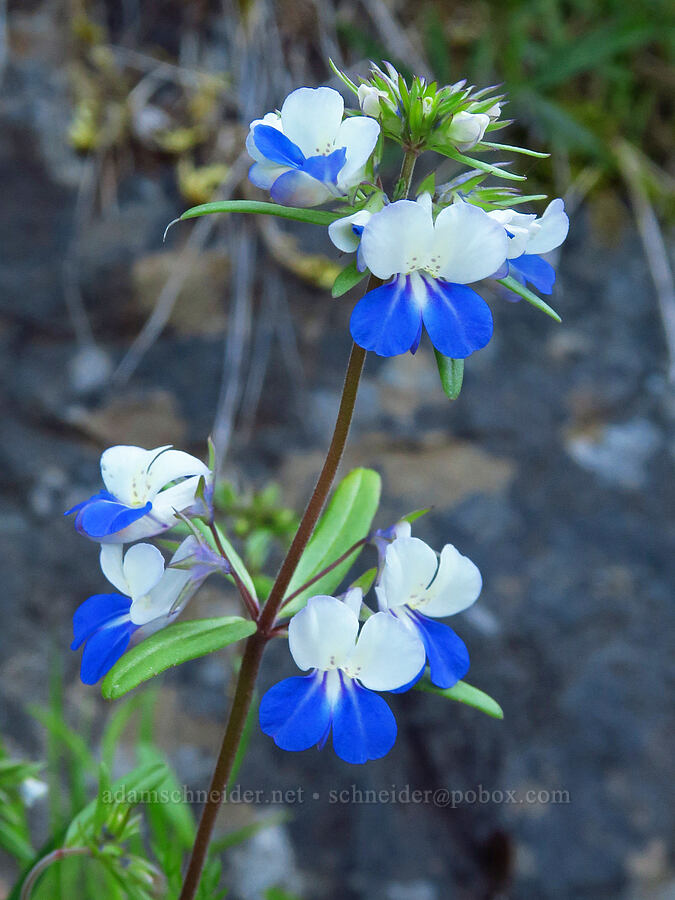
x=145 y=491
x=389 y=653
x=423 y=255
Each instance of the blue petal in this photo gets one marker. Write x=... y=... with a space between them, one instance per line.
x=387 y=319
x=100 y=518
x=295 y=712
x=416 y=342
x=275 y=146
x=457 y=319
x=102 y=651
x=363 y=725
x=446 y=651
x=96 y=612
x=101 y=495
x=298 y=188
x=326 y=168
x=535 y=270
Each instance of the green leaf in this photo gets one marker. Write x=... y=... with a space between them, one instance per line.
x=348 y=278
x=512 y=149
x=261 y=207
x=497 y=171
x=171 y=647
x=465 y=693
x=520 y=289
x=428 y=186
x=346 y=520
x=365 y=581
x=451 y=372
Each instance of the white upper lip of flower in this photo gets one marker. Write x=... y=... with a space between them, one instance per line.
x=413 y=576
x=530 y=234
x=463 y=245
x=325 y=636
x=140 y=574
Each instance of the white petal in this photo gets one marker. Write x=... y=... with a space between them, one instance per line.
x=323 y=634
x=342 y=234
x=123 y=471
x=311 y=118
x=178 y=497
x=387 y=655
x=468 y=244
x=359 y=135
x=354 y=600
x=466 y=129
x=111 y=566
x=143 y=567
x=170 y=465
x=456 y=586
x=409 y=566
x=264 y=174
x=553 y=228
x=274 y=121
x=397 y=238
x=176 y=586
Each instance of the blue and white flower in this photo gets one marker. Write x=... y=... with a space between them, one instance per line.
x=149 y=597
x=143 y=491
x=346 y=668
x=530 y=236
x=306 y=154
x=429 y=265
x=346 y=234
x=417 y=588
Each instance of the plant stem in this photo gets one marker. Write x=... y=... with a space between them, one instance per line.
x=255 y=645
x=241 y=703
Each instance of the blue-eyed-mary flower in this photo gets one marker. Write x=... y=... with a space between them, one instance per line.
x=528 y=237
x=427 y=266
x=417 y=588
x=143 y=491
x=306 y=154
x=150 y=597
x=346 y=668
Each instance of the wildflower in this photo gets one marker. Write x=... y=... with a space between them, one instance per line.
x=150 y=596
x=347 y=667
x=346 y=234
x=369 y=99
x=306 y=154
x=139 y=499
x=530 y=236
x=417 y=588
x=429 y=265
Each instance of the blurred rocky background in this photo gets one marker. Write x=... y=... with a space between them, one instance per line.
x=553 y=470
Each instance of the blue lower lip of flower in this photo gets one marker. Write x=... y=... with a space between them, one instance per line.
x=533 y=269
x=325 y=168
x=298 y=714
x=388 y=319
x=102 y=623
x=446 y=651
x=276 y=147
x=103 y=514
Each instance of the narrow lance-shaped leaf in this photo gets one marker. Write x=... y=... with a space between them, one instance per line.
x=513 y=285
x=171 y=647
x=346 y=520
x=348 y=278
x=451 y=372
x=467 y=694
x=495 y=170
x=259 y=207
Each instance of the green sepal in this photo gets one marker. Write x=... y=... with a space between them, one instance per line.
x=509 y=147
x=497 y=171
x=416 y=514
x=428 y=186
x=513 y=285
x=451 y=372
x=467 y=694
x=171 y=647
x=365 y=581
x=348 y=278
